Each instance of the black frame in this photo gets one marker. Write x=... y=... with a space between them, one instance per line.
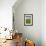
x=28 y=15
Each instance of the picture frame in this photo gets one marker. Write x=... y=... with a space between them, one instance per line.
x=28 y=19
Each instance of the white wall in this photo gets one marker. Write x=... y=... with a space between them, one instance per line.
x=43 y=22
x=6 y=13
x=29 y=7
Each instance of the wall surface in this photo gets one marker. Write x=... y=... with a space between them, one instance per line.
x=43 y=22
x=29 y=7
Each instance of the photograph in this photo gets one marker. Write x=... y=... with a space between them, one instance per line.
x=28 y=19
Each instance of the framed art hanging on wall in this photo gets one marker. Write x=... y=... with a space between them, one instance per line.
x=28 y=19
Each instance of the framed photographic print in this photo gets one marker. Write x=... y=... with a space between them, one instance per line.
x=28 y=19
